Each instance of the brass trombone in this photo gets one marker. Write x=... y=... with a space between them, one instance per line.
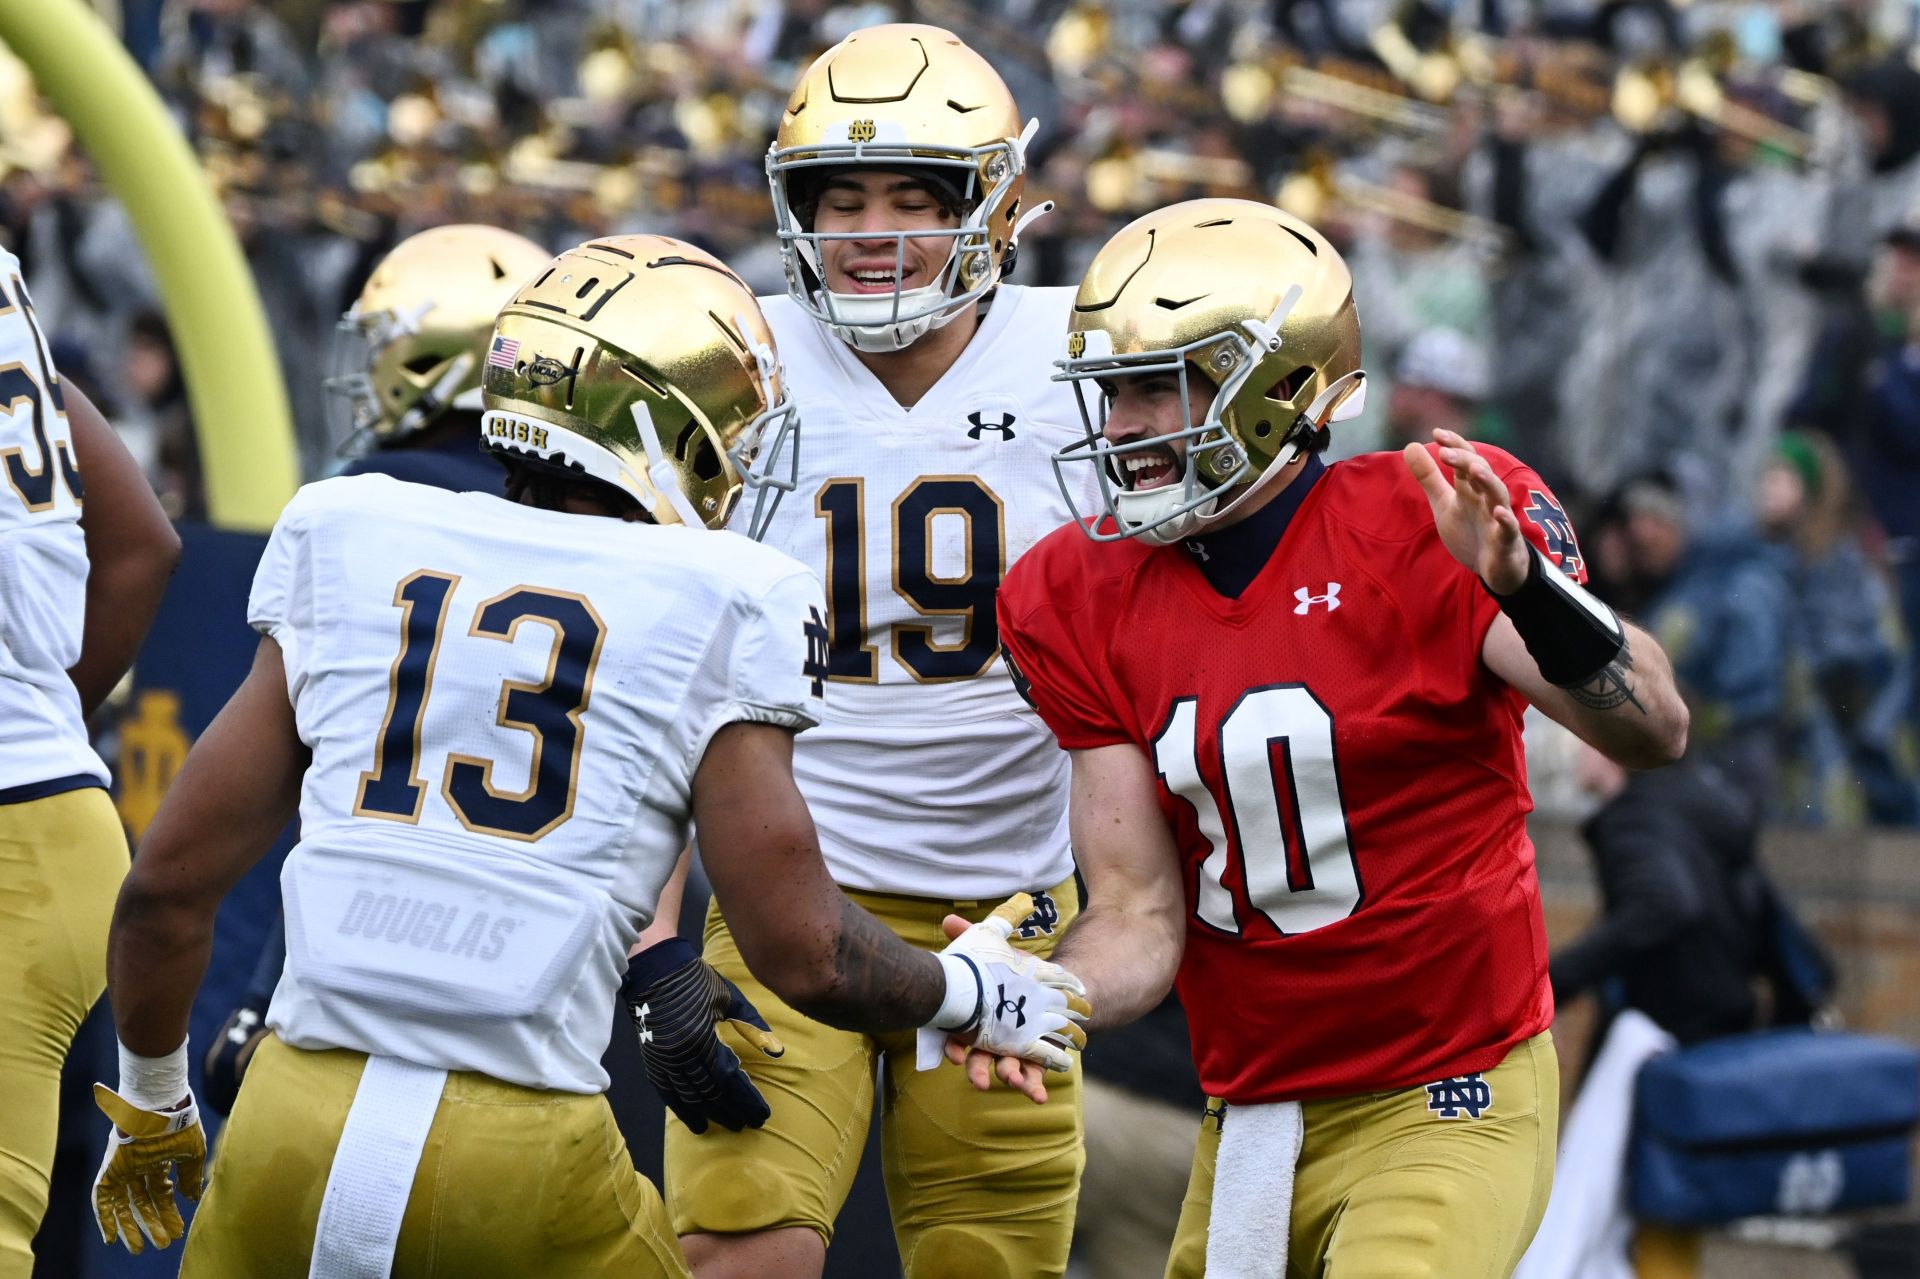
x=1314 y=189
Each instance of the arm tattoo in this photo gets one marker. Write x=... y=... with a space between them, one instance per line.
x=1608 y=688
x=880 y=982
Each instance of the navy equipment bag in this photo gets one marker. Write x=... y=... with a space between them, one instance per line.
x=1793 y=1121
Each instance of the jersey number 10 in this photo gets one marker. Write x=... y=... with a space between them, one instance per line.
x=1282 y=788
x=551 y=710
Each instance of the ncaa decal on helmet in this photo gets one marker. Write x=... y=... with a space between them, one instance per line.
x=410 y=346
x=644 y=363
x=1252 y=301
x=902 y=98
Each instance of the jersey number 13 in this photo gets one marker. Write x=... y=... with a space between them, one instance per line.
x=550 y=710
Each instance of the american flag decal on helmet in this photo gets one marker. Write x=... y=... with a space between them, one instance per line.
x=503 y=352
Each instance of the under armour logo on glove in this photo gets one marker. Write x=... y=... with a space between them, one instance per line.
x=1307 y=599
x=1018 y=1007
x=1004 y=426
x=676 y=1000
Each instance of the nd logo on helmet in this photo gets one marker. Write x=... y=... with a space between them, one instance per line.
x=1076 y=345
x=861 y=131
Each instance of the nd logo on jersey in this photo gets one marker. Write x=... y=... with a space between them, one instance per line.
x=1551 y=519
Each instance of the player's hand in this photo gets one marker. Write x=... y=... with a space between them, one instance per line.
x=1472 y=511
x=232 y=1052
x=983 y=1068
x=676 y=1000
x=133 y=1195
x=1031 y=1015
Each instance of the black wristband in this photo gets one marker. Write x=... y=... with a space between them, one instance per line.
x=1571 y=635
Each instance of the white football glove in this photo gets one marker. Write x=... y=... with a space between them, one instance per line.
x=1009 y=1002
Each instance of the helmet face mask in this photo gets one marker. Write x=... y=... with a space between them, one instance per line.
x=906 y=99
x=1212 y=461
x=1251 y=301
x=643 y=363
x=891 y=321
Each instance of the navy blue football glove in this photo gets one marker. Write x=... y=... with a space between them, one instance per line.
x=226 y=1062
x=676 y=999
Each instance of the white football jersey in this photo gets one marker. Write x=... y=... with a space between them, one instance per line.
x=43 y=565
x=506 y=707
x=929 y=776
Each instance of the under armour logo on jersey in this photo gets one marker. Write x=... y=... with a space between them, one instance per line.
x=640 y=1024
x=1046 y=913
x=1017 y=1007
x=815 y=665
x=1470 y=1093
x=1004 y=425
x=1551 y=519
x=1307 y=599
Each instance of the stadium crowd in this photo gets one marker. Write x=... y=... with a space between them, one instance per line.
x=1524 y=192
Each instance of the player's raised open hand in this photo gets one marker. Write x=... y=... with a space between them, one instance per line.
x=1471 y=510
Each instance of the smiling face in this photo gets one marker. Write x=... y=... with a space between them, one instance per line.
x=1148 y=406
x=882 y=204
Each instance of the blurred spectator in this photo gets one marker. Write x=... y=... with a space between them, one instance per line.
x=1842 y=627
x=1686 y=936
x=1718 y=602
x=1682 y=902
x=154 y=420
x=1439 y=383
x=1863 y=390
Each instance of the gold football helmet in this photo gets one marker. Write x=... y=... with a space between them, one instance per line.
x=644 y=363
x=410 y=346
x=1249 y=298
x=903 y=97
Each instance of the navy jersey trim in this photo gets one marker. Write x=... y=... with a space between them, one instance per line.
x=52 y=786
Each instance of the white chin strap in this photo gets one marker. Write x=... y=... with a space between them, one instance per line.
x=869 y=325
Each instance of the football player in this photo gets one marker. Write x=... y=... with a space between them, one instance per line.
x=899 y=186
x=406 y=399
x=497 y=719
x=78 y=589
x=1292 y=694
x=410 y=351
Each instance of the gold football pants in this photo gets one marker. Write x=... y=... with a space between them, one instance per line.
x=61 y=862
x=1390 y=1187
x=981 y=1185
x=513 y=1182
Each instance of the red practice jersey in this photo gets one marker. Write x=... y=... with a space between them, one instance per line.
x=1344 y=777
